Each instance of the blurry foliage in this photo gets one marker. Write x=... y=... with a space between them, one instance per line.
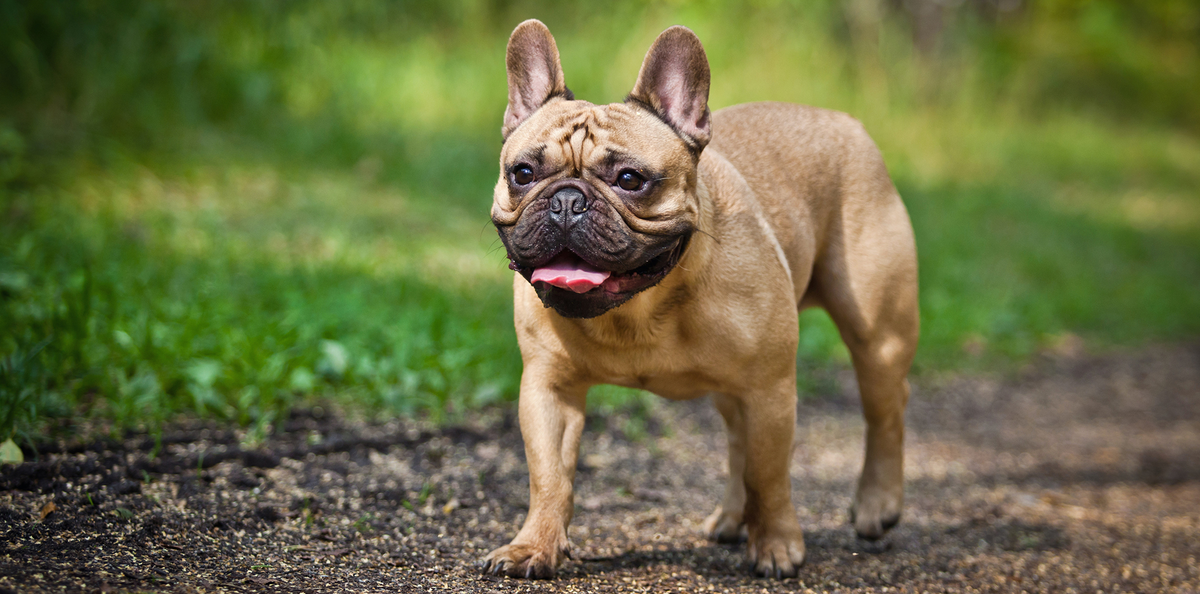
x=1137 y=61
x=231 y=208
x=122 y=323
x=80 y=72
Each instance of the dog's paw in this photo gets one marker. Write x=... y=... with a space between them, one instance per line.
x=778 y=555
x=725 y=526
x=524 y=561
x=875 y=511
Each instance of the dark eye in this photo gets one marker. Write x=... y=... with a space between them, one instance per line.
x=630 y=181
x=522 y=175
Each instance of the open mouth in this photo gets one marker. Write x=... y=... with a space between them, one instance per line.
x=569 y=272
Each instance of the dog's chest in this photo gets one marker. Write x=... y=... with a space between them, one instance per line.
x=694 y=351
x=674 y=386
x=680 y=370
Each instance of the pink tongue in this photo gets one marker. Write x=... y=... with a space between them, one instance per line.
x=568 y=271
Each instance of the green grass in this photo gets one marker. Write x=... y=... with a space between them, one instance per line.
x=234 y=293
x=300 y=212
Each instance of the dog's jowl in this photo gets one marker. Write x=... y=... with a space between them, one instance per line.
x=660 y=246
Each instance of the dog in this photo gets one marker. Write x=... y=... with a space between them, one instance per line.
x=659 y=246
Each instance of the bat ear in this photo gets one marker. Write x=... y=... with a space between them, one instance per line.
x=673 y=83
x=534 y=73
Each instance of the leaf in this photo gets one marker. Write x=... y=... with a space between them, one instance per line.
x=13 y=283
x=123 y=339
x=203 y=372
x=334 y=359
x=10 y=453
x=301 y=380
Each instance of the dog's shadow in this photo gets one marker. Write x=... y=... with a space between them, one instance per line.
x=722 y=561
x=838 y=551
x=709 y=561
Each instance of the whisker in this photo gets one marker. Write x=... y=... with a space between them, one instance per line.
x=713 y=237
x=484 y=226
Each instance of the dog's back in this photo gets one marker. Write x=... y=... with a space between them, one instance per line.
x=818 y=176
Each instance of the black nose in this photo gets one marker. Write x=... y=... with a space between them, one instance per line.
x=567 y=207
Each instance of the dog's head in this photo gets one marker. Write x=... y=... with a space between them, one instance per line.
x=598 y=202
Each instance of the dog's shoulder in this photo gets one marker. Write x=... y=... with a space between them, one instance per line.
x=798 y=130
x=792 y=154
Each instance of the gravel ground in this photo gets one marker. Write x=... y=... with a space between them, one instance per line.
x=1078 y=474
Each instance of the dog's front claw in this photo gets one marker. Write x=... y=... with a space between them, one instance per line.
x=778 y=556
x=725 y=526
x=524 y=561
x=875 y=511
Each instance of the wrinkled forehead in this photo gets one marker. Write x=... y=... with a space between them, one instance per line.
x=579 y=134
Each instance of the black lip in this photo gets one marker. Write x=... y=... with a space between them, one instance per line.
x=662 y=261
x=600 y=300
x=665 y=261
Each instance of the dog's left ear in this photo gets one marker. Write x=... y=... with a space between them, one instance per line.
x=673 y=83
x=534 y=73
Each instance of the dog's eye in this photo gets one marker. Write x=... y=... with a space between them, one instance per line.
x=522 y=175
x=630 y=181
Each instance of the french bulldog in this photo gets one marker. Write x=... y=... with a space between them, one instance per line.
x=659 y=246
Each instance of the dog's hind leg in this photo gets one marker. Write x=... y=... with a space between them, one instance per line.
x=867 y=281
x=727 y=522
x=879 y=498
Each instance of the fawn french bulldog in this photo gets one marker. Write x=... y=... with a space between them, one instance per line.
x=660 y=246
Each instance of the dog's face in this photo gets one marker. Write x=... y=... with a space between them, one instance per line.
x=598 y=202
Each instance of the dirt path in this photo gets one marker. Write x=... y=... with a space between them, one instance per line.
x=1082 y=475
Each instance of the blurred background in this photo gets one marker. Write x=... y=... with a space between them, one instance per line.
x=235 y=208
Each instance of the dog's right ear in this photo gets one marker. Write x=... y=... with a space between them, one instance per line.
x=534 y=73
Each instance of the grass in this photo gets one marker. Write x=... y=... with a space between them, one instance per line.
x=329 y=240
x=232 y=293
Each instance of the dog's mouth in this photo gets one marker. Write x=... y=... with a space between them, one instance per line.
x=568 y=272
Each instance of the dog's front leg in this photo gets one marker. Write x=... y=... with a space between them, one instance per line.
x=726 y=523
x=552 y=418
x=776 y=543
